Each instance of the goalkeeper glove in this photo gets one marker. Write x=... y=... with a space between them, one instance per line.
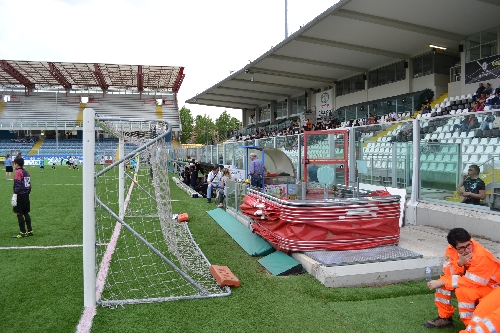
x=13 y=201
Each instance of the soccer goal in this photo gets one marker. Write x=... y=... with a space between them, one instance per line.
x=134 y=250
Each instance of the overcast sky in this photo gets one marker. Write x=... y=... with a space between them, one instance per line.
x=208 y=38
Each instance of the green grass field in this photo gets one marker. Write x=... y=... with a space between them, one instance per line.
x=42 y=289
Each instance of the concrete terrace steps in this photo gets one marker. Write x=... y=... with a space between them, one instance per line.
x=39 y=107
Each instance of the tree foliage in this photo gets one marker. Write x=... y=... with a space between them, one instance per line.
x=187 y=123
x=226 y=125
x=204 y=130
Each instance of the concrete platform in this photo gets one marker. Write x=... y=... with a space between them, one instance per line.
x=426 y=240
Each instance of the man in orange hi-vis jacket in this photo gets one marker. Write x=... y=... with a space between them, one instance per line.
x=486 y=318
x=470 y=271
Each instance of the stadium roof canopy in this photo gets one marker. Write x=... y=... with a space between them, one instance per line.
x=350 y=38
x=15 y=74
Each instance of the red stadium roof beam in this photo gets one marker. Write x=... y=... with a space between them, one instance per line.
x=9 y=69
x=101 y=81
x=56 y=73
x=140 y=80
x=178 y=80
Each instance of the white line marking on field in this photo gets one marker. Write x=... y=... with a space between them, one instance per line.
x=40 y=247
x=58 y=184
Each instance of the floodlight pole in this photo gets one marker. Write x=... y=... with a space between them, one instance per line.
x=89 y=276
x=286 y=19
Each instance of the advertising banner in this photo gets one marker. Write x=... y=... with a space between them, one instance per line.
x=324 y=103
x=482 y=70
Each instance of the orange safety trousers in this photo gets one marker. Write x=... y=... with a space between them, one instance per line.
x=486 y=318
x=442 y=299
x=468 y=298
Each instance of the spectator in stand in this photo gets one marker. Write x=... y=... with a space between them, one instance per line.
x=497 y=90
x=462 y=126
x=371 y=119
x=471 y=187
x=426 y=108
x=392 y=116
x=479 y=91
x=491 y=100
x=496 y=105
x=480 y=106
x=473 y=107
x=308 y=125
x=482 y=98
x=406 y=130
x=473 y=123
x=488 y=121
x=488 y=90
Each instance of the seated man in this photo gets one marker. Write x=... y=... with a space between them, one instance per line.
x=479 y=91
x=406 y=130
x=488 y=121
x=426 y=108
x=474 y=189
x=486 y=318
x=473 y=123
x=462 y=126
x=470 y=271
x=393 y=116
x=213 y=180
x=488 y=90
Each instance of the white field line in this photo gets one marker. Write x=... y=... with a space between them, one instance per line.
x=89 y=313
x=40 y=247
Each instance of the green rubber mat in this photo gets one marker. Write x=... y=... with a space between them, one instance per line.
x=253 y=244
x=279 y=263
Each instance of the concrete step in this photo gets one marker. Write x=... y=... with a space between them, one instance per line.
x=426 y=240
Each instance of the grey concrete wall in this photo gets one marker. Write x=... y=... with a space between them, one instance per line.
x=477 y=222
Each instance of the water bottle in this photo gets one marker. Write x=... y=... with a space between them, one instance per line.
x=428 y=276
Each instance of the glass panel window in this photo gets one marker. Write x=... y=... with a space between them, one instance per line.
x=489 y=36
x=265 y=114
x=474 y=53
x=417 y=66
x=382 y=76
x=427 y=63
x=281 y=109
x=483 y=44
x=391 y=73
x=400 y=71
x=473 y=41
x=488 y=49
x=301 y=104
x=294 y=106
x=373 y=79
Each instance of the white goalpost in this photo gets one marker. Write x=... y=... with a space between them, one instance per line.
x=134 y=251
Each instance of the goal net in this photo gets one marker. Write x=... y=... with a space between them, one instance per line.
x=141 y=253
